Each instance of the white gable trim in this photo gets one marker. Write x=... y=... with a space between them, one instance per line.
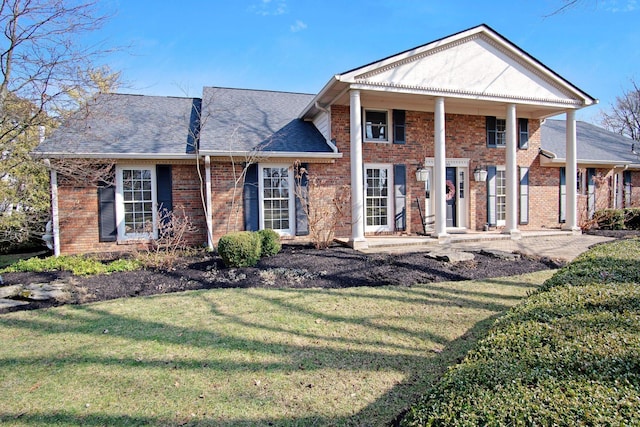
x=507 y=49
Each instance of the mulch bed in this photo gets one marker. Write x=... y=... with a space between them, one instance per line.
x=296 y=266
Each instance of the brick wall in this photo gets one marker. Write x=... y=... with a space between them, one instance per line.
x=465 y=138
x=78 y=213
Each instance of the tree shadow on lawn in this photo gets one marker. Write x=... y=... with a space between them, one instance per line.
x=418 y=372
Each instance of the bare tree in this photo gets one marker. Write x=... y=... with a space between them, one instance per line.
x=624 y=116
x=45 y=71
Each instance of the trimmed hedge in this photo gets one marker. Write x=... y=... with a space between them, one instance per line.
x=568 y=355
x=270 y=242
x=240 y=249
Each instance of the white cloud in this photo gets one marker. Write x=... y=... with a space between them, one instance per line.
x=270 y=7
x=616 y=6
x=298 y=26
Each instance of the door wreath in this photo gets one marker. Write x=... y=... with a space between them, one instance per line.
x=451 y=190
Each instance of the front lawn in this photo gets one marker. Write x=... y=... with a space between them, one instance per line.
x=568 y=356
x=232 y=357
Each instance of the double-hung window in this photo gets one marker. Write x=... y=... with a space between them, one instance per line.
x=136 y=202
x=277 y=198
x=497 y=132
x=376 y=125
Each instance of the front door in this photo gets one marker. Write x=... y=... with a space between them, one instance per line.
x=450 y=192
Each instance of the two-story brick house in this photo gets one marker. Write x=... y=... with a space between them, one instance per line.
x=442 y=138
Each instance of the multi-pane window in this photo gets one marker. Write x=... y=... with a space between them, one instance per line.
x=376 y=125
x=276 y=198
x=377 y=198
x=501 y=132
x=137 y=213
x=501 y=197
x=497 y=132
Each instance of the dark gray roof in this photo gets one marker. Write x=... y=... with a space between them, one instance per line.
x=120 y=125
x=243 y=120
x=594 y=144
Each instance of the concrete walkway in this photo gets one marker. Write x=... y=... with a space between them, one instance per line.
x=551 y=244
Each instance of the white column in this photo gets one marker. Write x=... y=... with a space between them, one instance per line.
x=357 y=181
x=209 y=213
x=439 y=171
x=511 y=172
x=571 y=170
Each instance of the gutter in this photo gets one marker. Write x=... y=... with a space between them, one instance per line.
x=550 y=158
x=134 y=156
x=157 y=156
x=305 y=110
x=272 y=154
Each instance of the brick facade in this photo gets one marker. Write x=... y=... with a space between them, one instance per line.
x=465 y=138
x=78 y=213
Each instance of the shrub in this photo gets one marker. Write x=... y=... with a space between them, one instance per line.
x=270 y=242
x=610 y=219
x=566 y=356
x=633 y=218
x=240 y=249
x=79 y=265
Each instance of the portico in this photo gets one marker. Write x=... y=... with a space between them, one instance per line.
x=477 y=73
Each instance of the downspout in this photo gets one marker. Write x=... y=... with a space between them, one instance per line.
x=207 y=163
x=55 y=216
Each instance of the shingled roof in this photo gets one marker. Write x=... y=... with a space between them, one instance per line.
x=595 y=145
x=237 y=120
x=119 y=125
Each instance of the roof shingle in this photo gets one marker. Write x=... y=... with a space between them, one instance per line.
x=119 y=124
x=244 y=120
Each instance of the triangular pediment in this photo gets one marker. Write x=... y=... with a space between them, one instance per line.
x=477 y=63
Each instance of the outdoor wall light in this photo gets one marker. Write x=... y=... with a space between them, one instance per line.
x=422 y=175
x=480 y=174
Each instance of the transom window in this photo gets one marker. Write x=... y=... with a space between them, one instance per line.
x=137 y=214
x=376 y=125
x=277 y=198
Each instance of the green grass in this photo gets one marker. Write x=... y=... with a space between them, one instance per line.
x=569 y=355
x=236 y=357
x=79 y=265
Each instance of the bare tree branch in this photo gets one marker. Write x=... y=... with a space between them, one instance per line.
x=624 y=115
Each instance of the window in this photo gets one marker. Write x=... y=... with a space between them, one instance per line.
x=136 y=202
x=376 y=128
x=497 y=132
x=276 y=198
x=378 y=206
x=501 y=196
x=496 y=129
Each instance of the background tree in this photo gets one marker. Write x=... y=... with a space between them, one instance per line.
x=624 y=117
x=46 y=70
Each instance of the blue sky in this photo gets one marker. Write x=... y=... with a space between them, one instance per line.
x=176 y=48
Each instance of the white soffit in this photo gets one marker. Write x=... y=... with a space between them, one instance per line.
x=474 y=66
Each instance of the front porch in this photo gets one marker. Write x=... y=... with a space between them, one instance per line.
x=553 y=244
